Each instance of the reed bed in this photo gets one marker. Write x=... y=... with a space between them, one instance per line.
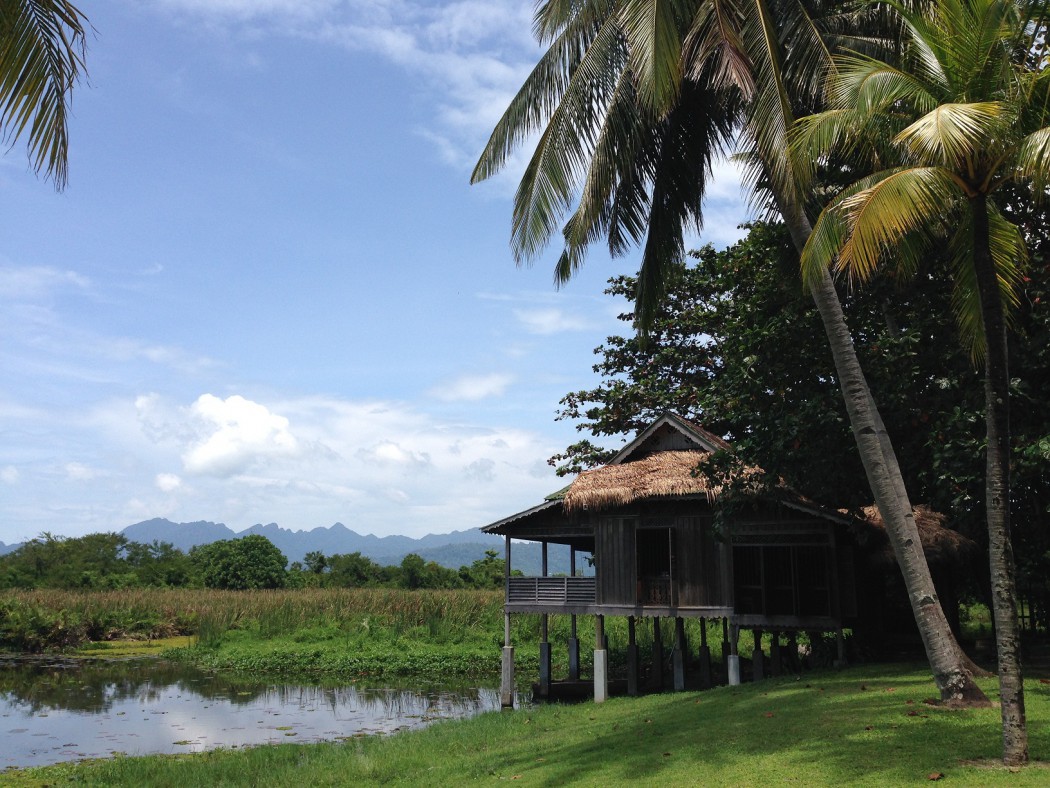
x=53 y=620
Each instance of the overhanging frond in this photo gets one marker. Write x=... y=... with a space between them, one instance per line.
x=42 y=46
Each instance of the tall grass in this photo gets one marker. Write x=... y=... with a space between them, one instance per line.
x=53 y=619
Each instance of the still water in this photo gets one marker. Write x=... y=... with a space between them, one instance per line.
x=60 y=710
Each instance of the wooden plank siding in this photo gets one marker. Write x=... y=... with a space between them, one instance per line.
x=616 y=561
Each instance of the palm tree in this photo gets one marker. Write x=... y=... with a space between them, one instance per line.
x=632 y=100
x=42 y=45
x=959 y=116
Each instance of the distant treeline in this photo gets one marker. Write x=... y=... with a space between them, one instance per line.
x=107 y=561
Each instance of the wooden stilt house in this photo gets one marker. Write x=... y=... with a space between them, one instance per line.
x=780 y=566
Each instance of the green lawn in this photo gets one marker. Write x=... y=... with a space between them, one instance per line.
x=866 y=725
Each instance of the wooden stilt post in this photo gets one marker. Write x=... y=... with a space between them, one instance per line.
x=758 y=659
x=545 y=646
x=794 y=661
x=574 y=641
x=704 y=656
x=656 y=676
x=840 y=644
x=506 y=691
x=680 y=654
x=632 y=658
x=601 y=661
x=775 y=659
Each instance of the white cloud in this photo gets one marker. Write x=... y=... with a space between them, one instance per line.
x=167 y=482
x=390 y=453
x=9 y=474
x=550 y=320
x=79 y=472
x=234 y=435
x=471 y=388
x=30 y=282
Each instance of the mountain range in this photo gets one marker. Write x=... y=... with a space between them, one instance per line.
x=455 y=549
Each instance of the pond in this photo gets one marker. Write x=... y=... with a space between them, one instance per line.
x=54 y=710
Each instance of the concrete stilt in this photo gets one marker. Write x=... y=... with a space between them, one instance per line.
x=632 y=658
x=733 y=658
x=775 y=659
x=727 y=648
x=680 y=654
x=601 y=661
x=758 y=659
x=506 y=686
x=840 y=644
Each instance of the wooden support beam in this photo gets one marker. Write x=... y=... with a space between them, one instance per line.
x=574 y=641
x=632 y=657
x=656 y=675
x=704 y=657
x=680 y=654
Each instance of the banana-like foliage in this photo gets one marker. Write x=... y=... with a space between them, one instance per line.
x=42 y=46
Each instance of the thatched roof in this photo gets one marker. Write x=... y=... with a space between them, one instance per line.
x=940 y=543
x=659 y=474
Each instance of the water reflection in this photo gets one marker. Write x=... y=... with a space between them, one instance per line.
x=58 y=709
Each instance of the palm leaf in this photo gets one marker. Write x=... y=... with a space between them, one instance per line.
x=42 y=45
x=882 y=215
x=953 y=135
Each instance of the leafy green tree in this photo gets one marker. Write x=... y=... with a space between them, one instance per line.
x=631 y=101
x=958 y=116
x=249 y=562
x=42 y=45
x=315 y=562
x=353 y=570
x=487 y=572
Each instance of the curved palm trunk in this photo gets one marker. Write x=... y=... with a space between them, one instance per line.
x=997 y=493
x=949 y=664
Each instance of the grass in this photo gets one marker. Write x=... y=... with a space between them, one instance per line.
x=862 y=726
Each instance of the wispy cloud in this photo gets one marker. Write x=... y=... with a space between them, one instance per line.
x=471 y=388
x=19 y=283
x=551 y=320
x=472 y=55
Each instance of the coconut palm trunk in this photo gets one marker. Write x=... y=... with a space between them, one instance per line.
x=948 y=663
x=997 y=491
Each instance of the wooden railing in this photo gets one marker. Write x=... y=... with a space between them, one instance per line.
x=551 y=590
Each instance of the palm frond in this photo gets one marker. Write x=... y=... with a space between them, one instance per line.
x=951 y=135
x=539 y=96
x=880 y=216
x=1033 y=161
x=42 y=48
x=553 y=173
x=655 y=30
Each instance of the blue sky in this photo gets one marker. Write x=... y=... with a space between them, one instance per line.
x=269 y=293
